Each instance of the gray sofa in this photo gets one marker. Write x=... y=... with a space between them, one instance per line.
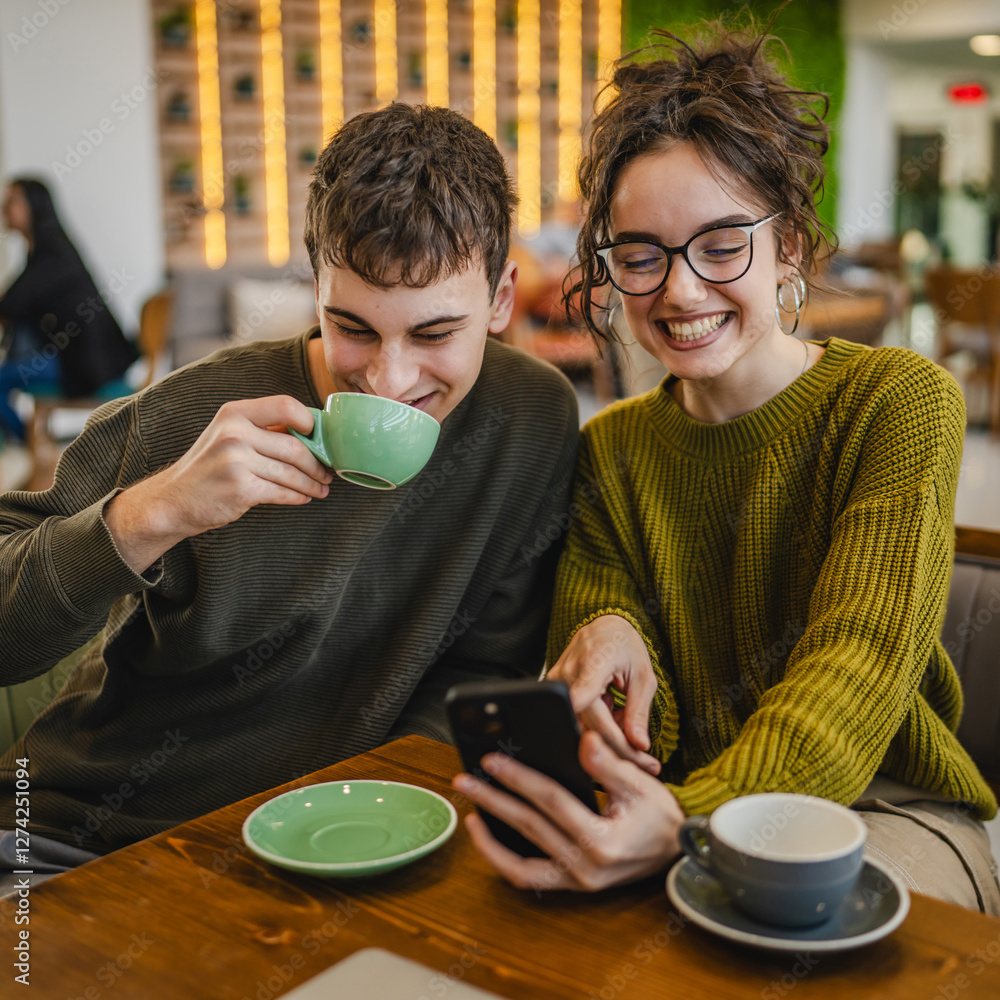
x=201 y=321
x=971 y=634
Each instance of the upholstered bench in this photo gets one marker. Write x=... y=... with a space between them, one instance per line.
x=971 y=636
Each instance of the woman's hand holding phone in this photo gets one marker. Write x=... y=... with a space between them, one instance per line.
x=609 y=651
x=634 y=836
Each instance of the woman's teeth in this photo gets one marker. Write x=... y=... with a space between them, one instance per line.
x=698 y=329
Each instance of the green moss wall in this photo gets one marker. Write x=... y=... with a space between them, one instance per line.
x=810 y=29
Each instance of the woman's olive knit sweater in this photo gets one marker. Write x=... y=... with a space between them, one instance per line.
x=788 y=570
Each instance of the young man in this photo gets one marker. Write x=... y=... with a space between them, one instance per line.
x=260 y=618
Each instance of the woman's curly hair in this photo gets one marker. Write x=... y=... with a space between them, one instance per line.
x=723 y=94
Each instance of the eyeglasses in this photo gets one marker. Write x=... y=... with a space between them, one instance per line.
x=717 y=255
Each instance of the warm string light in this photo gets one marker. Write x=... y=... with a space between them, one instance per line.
x=272 y=69
x=210 y=117
x=484 y=111
x=609 y=41
x=529 y=118
x=437 y=52
x=331 y=66
x=386 y=59
x=484 y=65
x=570 y=95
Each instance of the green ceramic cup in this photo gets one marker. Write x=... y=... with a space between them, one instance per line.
x=370 y=440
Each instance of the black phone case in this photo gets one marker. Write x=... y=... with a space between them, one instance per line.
x=531 y=721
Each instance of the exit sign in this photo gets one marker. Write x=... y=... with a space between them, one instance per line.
x=968 y=93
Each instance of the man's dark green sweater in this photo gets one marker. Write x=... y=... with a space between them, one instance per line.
x=291 y=638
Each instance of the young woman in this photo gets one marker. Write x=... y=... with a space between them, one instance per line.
x=755 y=577
x=59 y=332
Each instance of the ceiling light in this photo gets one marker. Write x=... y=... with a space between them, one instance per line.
x=985 y=45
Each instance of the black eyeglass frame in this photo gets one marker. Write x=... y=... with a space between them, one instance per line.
x=672 y=252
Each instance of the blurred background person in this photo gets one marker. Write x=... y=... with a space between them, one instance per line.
x=59 y=334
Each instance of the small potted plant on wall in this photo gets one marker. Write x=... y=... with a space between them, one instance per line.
x=179 y=107
x=415 y=68
x=244 y=87
x=305 y=65
x=175 y=28
x=182 y=177
x=242 y=19
x=241 y=194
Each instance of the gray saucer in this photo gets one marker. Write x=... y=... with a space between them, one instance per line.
x=875 y=907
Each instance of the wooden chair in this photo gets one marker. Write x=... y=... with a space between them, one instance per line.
x=538 y=325
x=966 y=307
x=879 y=255
x=856 y=315
x=154 y=324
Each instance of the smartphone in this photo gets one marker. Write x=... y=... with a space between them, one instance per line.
x=531 y=721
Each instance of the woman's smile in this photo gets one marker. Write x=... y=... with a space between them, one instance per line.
x=692 y=332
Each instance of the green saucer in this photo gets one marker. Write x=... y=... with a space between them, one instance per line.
x=349 y=828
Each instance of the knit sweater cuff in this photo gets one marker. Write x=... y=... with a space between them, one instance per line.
x=89 y=571
x=664 y=719
x=634 y=622
x=702 y=795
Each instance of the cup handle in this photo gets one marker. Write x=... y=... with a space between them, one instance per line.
x=314 y=440
x=694 y=841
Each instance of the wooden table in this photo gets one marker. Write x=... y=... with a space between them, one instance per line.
x=192 y=914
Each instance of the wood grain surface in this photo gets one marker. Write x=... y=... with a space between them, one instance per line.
x=977 y=542
x=191 y=914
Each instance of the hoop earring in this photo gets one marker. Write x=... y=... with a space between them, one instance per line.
x=611 y=317
x=798 y=288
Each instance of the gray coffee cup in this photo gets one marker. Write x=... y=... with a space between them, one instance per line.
x=784 y=859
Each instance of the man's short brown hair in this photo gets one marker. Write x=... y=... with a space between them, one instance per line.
x=410 y=195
